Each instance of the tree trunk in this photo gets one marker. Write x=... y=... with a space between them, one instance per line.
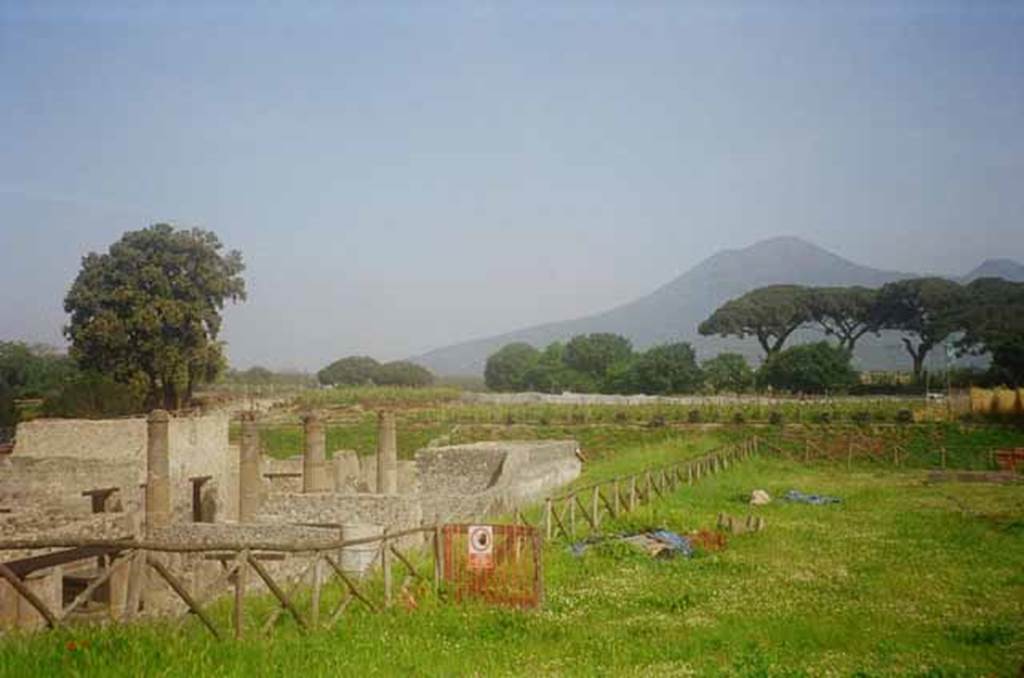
x=170 y=397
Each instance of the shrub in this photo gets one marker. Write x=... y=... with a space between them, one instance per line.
x=810 y=368
x=693 y=416
x=738 y=418
x=728 y=372
x=905 y=417
x=775 y=418
x=861 y=417
x=657 y=421
x=508 y=369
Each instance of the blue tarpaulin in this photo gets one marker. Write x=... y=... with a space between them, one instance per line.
x=658 y=543
x=816 y=499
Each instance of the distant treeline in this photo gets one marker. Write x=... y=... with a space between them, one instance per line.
x=607 y=363
x=363 y=370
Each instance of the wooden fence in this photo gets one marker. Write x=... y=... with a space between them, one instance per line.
x=403 y=578
x=590 y=505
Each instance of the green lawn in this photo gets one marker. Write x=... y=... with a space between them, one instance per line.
x=901 y=578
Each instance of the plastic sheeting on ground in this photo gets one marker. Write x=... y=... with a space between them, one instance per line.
x=657 y=543
x=816 y=499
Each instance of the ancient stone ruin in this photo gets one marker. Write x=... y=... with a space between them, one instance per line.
x=178 y=480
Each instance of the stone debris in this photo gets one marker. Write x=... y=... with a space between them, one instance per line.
x=760 y=498
x=740 y=525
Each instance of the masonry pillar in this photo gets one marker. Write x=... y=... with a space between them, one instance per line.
x=314 y=461
x=346 y=471
x=158 y=470
x=387 y=454
x=48 y=587
x=249 y=480
x=8 y=606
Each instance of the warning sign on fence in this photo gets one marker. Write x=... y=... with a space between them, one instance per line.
x=481 y=547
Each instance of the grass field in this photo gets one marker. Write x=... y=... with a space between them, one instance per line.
x=900 y=578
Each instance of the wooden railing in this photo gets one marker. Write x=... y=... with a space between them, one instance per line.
x=591 y=504
x=240 y=565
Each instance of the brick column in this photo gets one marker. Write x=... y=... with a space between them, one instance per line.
x=314 y=462
x=158 y=470
x=250 y=482
x=387 y=454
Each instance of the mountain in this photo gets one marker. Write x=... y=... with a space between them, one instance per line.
x=673 y=311
x=1007 y=269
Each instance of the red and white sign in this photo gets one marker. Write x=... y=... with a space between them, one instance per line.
x=481 y=547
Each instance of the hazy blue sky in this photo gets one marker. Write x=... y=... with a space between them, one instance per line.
x=400 y=176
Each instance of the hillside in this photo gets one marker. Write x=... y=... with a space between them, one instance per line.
x=673 y=311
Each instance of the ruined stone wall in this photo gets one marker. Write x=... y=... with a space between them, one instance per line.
x=395 y=512
x=466 y=482
x=55 y=460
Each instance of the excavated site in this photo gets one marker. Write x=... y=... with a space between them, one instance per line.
x=178 y=481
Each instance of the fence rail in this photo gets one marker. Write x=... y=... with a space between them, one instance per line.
x=136 y=563
x=591 y=504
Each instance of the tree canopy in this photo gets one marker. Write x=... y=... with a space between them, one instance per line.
x=594 y=354
x=809 y=368
x=770 y=314
x=361 y=370
x=354 y=370
x=666 y=369
x=925 y=310
x=509 y=369
x=149 y=310
x=728 y=373
x=993 y=322
x=847 y=313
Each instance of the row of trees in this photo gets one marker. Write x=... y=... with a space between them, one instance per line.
x=600 y=362
x=985 y=316
x=606 y=363
x=38 y=372
x=362 y=370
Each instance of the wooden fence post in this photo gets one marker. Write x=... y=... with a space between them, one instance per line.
x=617 y=503
x=318 y=576
x=385 y=566
x=547 y=519
x=240 y=582
x=439 y=559
x=632 y=493
x=595 y=507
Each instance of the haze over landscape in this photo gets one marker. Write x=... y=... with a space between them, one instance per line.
x=404 y=179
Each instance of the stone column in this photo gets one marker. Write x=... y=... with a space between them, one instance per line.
x=250 y=482
x=8 y=606
x=346 y=471
x=314 y=461
x=48 y=587
x=158 y=470
x=387 y=454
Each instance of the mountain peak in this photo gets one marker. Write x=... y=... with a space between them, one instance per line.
x=1008 y=269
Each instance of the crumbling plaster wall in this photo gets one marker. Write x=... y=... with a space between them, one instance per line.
x=55 y=460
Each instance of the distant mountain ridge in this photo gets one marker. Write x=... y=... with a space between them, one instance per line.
x=673 y=311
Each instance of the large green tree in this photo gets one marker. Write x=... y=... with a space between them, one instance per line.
x=403 y=373
x=508 y=369
x=351 y=371
x=594 y=354
x=809 y=368
x=993 y=323
x=149 y=310
x=728 y=373
x=770 y=314
x=847 y=313
x=925 y=310
x=668 y=368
